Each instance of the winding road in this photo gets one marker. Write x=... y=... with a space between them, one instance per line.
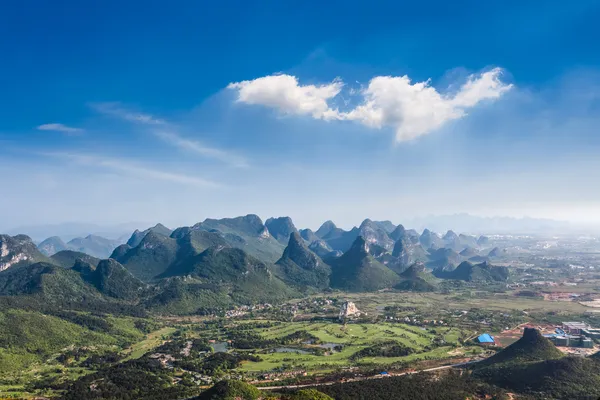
x=365 y=378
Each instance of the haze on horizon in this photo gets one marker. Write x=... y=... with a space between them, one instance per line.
x=426 y=110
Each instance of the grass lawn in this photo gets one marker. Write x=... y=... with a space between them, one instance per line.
x=153 y=340
x=353 y=338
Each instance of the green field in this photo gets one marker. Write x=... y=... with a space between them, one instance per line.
x=353 y=338
x=151 y=341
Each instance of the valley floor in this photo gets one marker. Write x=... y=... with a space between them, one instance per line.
x=298 y=343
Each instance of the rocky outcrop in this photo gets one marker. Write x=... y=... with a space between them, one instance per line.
x=281 y=228
x=18 y=250
x=348 y=310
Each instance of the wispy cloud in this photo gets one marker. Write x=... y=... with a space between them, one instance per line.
x=412 y=109
x=168 y=133
x=133 y=169
x=56 y=127
x=196 y=147
x=115 y=109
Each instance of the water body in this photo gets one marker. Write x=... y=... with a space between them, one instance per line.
x=220 y=347
x=290 y=350
x=328 y=346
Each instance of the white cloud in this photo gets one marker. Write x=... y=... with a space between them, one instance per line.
x=133 y=169
x=283 y=92
x=199 y=148
x=59 y=128
x=485 y=86
x=412 y=109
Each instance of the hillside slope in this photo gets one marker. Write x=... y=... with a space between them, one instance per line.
x=68 y=258
x=247 y=233
x=17 y=251
x=416 y=279
x=532 y=346
x=137 y=236
x=468 y=272
x=95 y=246
x=533 y=365
x=357 y=270
x=299 y=266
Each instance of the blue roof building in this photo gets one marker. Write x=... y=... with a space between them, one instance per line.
x=486 y=338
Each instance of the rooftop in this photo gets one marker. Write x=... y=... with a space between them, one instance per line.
x=485 y=338
x=575 y=325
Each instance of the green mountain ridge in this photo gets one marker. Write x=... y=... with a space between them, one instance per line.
x=137 y=236
x=150 y=258
x=570 y=377
x=532 y=346
x=468 y=272
x=299 y=266
x=113 y=280
x=337 y=238
x=49 y=285
x=416 y=279
x=219 y=277
x=156 y=254
x=247 y=233
x=534 y=365
x=356 y=270
x=442 y=258
x=220 y=263
x=68 y=258
x=83 y=283
x=189 y=246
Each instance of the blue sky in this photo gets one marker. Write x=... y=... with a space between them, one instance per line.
x=177 y=111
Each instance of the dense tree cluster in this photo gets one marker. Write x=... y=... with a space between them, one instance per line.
x=217 y=363
x=132 y=380
x=385 y=349
x=415 y=387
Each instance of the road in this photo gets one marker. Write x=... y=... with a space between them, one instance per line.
x=364 y=378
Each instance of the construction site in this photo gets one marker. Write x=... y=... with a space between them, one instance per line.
x=570 y=337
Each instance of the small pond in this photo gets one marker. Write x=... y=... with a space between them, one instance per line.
x=220 y=347
x=290 y=350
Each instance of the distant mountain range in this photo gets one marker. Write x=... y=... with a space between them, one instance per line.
x=218 y=263
x=71 y=230
x=96 y=246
